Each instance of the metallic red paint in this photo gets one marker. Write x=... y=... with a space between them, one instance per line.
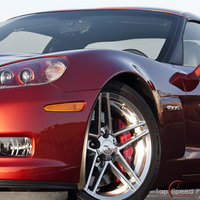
x=53 y=153
x=63 y=150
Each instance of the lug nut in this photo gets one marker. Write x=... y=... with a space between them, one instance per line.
x=92 y=144
x=98 y=159
x=106 y=134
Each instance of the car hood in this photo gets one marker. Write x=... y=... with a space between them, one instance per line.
x=7 y=58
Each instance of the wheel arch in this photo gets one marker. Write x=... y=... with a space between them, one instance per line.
x=141 y=87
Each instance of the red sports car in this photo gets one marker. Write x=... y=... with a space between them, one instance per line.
x=100 y=102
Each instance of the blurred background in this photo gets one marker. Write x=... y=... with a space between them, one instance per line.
x=11 y=8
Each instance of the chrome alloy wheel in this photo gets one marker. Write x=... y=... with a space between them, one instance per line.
x=119 y=149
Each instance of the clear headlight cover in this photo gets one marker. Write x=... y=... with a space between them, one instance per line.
x=33 y=71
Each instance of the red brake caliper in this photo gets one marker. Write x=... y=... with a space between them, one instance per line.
x=127 y=152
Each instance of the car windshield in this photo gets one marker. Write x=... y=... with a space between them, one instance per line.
x=142 y=32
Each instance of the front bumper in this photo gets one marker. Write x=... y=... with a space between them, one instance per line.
x=57 y=137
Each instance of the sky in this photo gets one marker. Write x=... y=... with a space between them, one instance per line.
x=12 y=8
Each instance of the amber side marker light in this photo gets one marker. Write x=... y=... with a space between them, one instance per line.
x=66 y=107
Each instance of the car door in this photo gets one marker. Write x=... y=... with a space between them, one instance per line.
x=191 y=59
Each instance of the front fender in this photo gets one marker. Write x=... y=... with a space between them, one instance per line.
x=92 y=69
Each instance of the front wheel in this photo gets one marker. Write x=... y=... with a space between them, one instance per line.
x=123 y=149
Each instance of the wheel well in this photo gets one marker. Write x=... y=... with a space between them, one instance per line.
x=141 y=88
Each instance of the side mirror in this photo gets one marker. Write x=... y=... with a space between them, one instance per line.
x=197 y=71
x=186 y=82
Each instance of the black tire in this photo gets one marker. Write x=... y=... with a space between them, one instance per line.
x=120 y=108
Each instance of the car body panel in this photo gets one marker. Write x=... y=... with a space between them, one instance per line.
x=49 y=155
x=192 y=127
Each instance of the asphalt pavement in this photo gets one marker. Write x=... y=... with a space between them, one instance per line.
x=176 y=195
x=153 y=195
x=33 y=195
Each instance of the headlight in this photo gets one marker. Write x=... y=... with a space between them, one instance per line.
x=5 y=76
x=26 y=75
x=54 y=70
x=33 y=71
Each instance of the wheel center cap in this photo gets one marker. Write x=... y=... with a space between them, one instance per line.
x=108 y=147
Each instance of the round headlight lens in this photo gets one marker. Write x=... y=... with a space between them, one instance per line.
x=26 y=75
x=6 y=75
x=55 y=70
x=32 y=71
